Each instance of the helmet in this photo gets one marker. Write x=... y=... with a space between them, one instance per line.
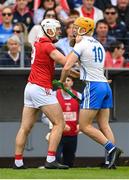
x=86 y=23
x=50 y=24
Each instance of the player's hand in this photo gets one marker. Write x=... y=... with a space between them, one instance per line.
x=78 y=38
x=109 y=81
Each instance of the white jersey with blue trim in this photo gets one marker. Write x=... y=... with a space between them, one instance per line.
x=92 y=56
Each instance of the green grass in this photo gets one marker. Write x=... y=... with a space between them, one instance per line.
x=75 y=173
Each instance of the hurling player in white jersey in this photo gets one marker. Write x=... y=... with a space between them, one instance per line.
x=97 y=94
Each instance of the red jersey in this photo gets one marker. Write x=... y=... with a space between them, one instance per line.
x=113 y=63
x=87 y=14
x=70 y=108
x=43 y=66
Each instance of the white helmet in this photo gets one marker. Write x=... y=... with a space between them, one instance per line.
x=50 y=24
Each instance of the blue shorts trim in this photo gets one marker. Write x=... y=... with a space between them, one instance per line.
x=97 y=95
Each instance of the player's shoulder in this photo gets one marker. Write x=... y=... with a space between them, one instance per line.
x=89 y=40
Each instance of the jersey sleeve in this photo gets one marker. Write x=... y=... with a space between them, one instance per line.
x=50 y=48
x=78 y=48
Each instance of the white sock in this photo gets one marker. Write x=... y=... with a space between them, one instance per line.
x=51 y=158
x=106 y=157
x=19 y=162
x=107 y=162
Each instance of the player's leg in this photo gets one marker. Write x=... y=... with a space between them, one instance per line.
x=103 y=123
x=86 y=118
x=92 y=98
x=59 y=151
x=55 y=115
x=29 y=116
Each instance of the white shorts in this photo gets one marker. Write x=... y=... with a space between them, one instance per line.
x=36 y=96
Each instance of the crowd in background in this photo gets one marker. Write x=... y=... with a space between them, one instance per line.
x=20 y=27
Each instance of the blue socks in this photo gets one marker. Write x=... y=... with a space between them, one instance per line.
x=109 y=146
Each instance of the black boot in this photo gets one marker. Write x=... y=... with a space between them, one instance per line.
x=55 y=165
x=114 y=157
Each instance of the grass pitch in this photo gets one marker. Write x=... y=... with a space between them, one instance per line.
x=73 y=173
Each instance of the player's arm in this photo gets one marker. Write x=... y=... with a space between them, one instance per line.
x=61 y=59
x=73 y=72
x=58 y=57
x=70 y=61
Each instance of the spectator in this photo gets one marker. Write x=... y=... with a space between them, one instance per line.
x=44 y=5
x=11 y=58
x=101 y=4
x=31 y=6
x=62 y=14
x=114 y=2
x=114 y=57
x=126 y=65
x=64 y=5
x=48 y=4
x=11 y=3
x=73 y=15
x=68 y=144
x=116 y=29
x=64 y=43
x=22 y=14
x=8 y=3
x=50 y=14
x=21 y=28
x=74 y=3
x=123 y=11
x=101 y=34
x=37 y=32
x=6 y=27
x=89 y=10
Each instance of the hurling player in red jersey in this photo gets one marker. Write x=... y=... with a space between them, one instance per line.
x=38 y=95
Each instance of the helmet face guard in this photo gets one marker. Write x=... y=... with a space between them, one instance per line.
x=84 y=23
x=50 y=24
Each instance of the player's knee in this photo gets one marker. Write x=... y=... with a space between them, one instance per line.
x=85 y=128
x=59 y=124
x=81 y=126
x=26 y=130
x=104 y=128
x=62 y=125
